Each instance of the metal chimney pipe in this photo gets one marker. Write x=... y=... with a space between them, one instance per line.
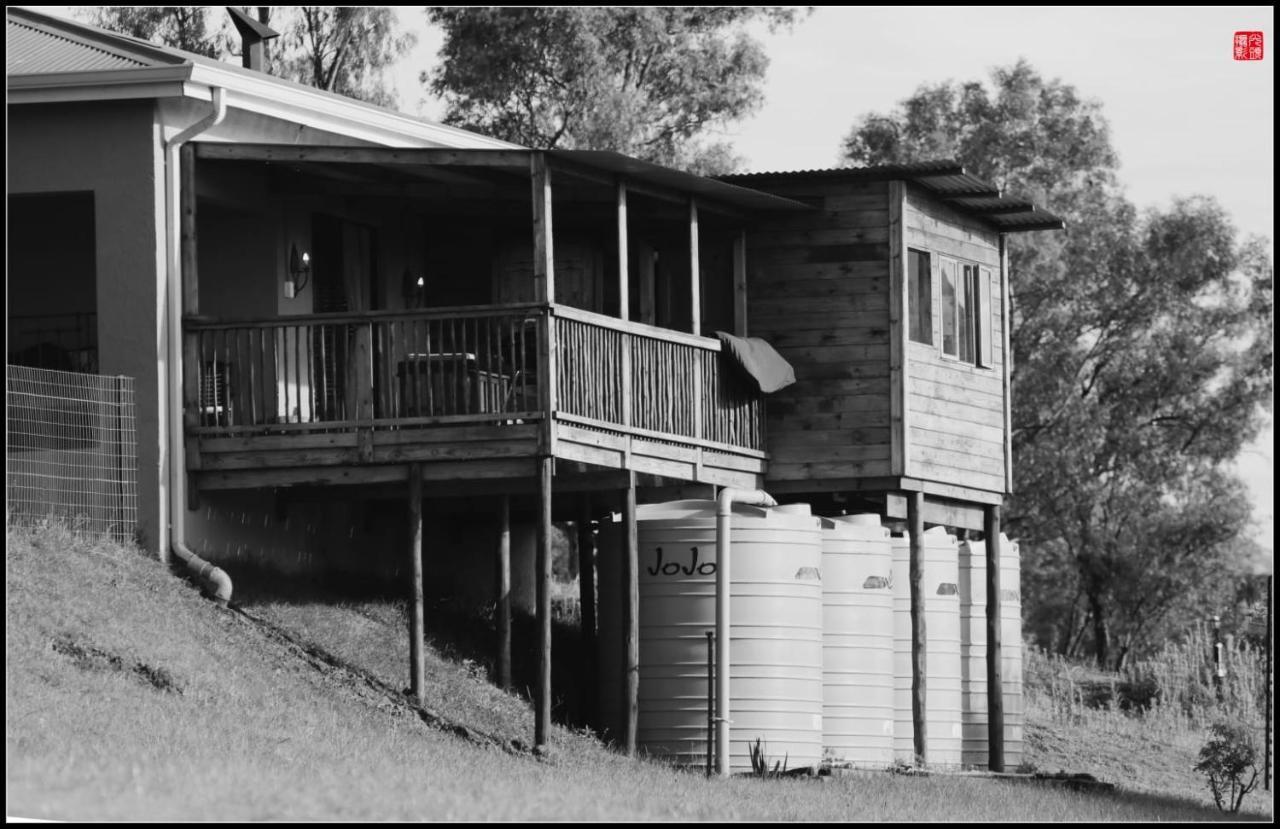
x=253 y=38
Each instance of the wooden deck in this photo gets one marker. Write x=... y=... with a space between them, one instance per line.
x=354 y=398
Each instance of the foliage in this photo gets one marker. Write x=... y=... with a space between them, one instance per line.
x=1226 y=757
x=342 y=49
x=646 y=81
x=1142 y=349
x=760 y=761
x=182 y=27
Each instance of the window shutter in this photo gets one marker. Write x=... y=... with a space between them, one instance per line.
x=985 y=318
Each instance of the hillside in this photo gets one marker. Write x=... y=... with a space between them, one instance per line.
x=130 y=696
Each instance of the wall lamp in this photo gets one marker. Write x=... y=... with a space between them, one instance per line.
x=299 y=272
x=415 y=291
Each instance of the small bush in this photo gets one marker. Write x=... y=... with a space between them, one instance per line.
x=760 y=762
x=1225 y=759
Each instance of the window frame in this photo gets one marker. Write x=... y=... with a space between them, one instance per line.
x=922 y=311
x=969 y=312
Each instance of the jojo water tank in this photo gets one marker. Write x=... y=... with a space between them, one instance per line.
x=776 y=631
x=942 y=648
x=857 y=642
x=973 y=651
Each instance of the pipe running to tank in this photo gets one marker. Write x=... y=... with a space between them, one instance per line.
x=724 y=513
x=214 y=580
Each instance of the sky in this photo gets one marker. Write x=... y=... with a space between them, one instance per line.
x=1185 y=117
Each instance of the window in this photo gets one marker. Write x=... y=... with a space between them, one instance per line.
x=966 y=312
x=919 y=297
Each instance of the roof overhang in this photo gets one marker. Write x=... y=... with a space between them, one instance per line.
x=603 y=168
x=946 y=180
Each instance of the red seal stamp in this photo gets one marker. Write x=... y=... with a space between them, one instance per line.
x=1247 y=46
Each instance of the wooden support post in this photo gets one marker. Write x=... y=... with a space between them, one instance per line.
x=543 y=247
x=995 y=684
x=740 y=284
x=191 y=365
x=587 y=603
x=695 y=271
x=542 y=691
x=919 y=650
x=544 y=278
x=630 y=616
x=504 y=592
x=624 y=306
x=624 y=277
x=417 y=675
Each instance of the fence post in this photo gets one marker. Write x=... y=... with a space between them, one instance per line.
x=119 y=472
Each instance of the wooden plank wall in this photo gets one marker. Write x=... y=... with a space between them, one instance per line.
x=818 y=291
x=955 y=411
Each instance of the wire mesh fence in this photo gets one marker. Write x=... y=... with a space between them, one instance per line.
x=72 y=450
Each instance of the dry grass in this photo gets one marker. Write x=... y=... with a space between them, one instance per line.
x=128 y=696
x=1143 y=727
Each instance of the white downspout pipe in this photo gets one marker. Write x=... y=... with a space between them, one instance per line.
x=214 y=580
x=724 y=512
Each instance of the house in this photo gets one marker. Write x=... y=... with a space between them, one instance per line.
x=333 y=310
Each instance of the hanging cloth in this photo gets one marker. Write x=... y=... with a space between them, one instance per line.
x=760 y=360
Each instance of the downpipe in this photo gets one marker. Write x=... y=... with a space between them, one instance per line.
x=214 y=580
x=724 y=513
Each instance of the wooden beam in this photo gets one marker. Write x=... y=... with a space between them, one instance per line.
x=995 y=684
x=542 y=689
x=417 y=669
x=587 y=602
x=438 y=157
x=919 y=648
x=630 y=617
x=740 y=284
x=504 y=592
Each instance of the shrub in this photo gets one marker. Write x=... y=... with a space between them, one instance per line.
x=1225 y=759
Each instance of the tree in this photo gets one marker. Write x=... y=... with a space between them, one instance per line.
x=343 y=49
x=1142 y=350
x=182 y=27
x=646 y=81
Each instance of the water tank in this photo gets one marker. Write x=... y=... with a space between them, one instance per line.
x=942 y=648
x=857 y=642
x=973 y=651
x=775 y=646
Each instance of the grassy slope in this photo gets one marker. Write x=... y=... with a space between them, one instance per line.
x=129 y=696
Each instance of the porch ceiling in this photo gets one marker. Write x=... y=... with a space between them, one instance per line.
x=588 y=175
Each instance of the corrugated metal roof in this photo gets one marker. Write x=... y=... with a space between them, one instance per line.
x=724 y=192
x=42 y=45
x=945 y=179
x=32 y=51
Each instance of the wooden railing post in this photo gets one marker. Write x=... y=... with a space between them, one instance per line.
x=630 y=616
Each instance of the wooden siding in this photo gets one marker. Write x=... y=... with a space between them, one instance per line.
x=818 y=291
x=955 y=411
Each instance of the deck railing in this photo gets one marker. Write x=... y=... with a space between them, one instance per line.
x=479 y=363
x=346 y=370
x=666 y=382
